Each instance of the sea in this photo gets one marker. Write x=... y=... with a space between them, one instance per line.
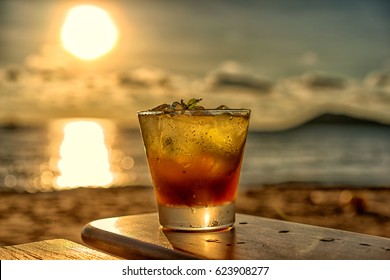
x=74 y=153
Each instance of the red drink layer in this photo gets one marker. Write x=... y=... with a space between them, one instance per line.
x=208 y=180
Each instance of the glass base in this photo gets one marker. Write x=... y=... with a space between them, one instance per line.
x=197 y=218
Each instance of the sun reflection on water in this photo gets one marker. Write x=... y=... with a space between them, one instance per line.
x=84 y=155
x=71 y=153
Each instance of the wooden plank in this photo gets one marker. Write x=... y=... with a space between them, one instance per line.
x=55 y=249
x=140 y=236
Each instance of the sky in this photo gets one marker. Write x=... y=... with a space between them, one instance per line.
x=286 y=60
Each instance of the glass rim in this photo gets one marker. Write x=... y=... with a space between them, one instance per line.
x=202 y=112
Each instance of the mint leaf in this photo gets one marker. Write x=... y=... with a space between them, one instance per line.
x=192 y=103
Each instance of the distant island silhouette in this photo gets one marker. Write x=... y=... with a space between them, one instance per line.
x=329 y=118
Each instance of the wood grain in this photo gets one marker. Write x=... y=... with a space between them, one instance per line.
x=55 y=249
x=252 y=237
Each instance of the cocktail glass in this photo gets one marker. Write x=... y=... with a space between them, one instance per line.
x=195 y=158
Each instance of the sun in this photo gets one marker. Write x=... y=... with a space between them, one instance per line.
x=88 y=32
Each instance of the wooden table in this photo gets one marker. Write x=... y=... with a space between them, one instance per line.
x=141 y=237
x=55 y=249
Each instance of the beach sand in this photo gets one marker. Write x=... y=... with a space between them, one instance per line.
x=39 y=216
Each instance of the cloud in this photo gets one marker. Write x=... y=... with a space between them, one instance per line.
x=322 y=81
x=40 y=93
x=231 y=75
x=379 y=80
